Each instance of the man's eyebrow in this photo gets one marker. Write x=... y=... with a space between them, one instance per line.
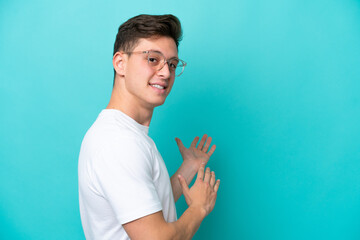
x=158 y=51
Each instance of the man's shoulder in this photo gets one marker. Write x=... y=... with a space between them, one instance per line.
x=110 y=138
x=110 y=135
x=118 y=149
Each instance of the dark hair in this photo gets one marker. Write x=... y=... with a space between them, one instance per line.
x=146 y=26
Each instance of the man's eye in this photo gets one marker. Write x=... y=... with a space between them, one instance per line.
x=153 y=60
x=173 y=64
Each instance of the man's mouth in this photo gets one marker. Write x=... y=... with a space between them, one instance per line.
x=157 y=86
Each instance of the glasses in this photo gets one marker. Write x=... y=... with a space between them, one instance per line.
x=157 y=60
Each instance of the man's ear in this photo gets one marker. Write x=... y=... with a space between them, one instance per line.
x=119 y=63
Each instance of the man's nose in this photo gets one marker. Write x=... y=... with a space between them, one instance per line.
x=165 y=70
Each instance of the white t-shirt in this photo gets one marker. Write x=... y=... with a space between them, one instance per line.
x=122 y=177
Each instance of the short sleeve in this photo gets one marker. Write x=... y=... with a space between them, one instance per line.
x=123 y=171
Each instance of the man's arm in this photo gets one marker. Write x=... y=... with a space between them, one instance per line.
x=192 y=158
x=200 y=198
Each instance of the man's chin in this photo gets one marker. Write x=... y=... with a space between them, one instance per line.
x=154 y=104
x=159 y=104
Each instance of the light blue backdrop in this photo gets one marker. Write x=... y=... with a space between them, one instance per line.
x=275 y=83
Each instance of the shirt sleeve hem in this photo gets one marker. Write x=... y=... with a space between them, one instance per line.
x=139 y=213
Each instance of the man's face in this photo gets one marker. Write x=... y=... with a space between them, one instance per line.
x=146 y=86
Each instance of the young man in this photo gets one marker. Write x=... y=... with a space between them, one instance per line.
x=124 y=188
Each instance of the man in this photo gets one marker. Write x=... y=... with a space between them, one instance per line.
x=124 y=187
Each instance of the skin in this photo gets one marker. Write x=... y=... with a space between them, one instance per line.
x=133 y=95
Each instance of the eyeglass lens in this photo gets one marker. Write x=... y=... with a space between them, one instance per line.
x=157 y=61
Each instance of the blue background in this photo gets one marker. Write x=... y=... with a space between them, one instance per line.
x=275 y=83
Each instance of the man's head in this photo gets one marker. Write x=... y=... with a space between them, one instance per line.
x=146 y=26
x=146 y=60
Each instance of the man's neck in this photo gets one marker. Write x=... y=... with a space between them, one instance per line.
x=137 y=112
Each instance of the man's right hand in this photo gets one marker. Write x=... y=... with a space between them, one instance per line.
x=201 y=199
x=204 y=191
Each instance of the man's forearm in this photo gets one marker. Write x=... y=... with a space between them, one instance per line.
x=187 y=225
x=154 y=226
x=200 y=198
x=188 y=171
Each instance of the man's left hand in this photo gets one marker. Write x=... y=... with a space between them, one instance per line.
x=195 y=155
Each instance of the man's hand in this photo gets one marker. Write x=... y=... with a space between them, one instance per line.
x=201 y=198
x=195 y=155
x=203 y=193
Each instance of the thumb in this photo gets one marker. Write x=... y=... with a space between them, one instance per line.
x=180 y=144
x=184 y=188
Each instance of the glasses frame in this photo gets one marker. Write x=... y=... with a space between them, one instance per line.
x=165 y=61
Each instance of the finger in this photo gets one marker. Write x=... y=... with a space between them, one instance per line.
x=212 y=149
x=200 y=174
x=201 y=143
x=180 y=144
x=194 y=142
x=207 y=175
x=212 y=179
x=183 y=185
x=217 y=184
x=208 y=142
